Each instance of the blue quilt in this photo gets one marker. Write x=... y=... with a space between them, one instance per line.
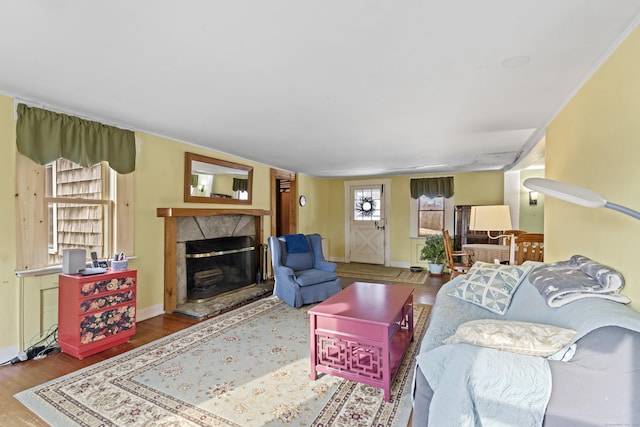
x=473 y=388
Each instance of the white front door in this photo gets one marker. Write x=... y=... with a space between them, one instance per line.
x=366 y=224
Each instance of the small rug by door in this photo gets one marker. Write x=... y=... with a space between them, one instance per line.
x=247 y=367
x=381 y=273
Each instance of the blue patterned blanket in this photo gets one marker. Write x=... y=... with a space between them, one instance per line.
x=577 y=278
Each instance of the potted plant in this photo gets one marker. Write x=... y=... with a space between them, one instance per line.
x=434 y=253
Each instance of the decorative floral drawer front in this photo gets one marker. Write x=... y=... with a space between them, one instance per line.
x=94 y=327
x=114 y=284
x=107 y=301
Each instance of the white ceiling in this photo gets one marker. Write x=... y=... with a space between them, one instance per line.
x=326 y=88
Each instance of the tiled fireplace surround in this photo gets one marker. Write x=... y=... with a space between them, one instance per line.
x=184 y=224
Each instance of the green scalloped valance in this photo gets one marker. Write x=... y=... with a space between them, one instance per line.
x=432 y=187
x=240 y=184
x=45 y=136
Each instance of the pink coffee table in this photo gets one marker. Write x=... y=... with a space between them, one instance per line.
x=362 y=333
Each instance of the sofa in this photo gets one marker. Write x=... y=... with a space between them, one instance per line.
x=497 y=354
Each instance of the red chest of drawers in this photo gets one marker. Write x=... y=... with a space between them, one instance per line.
x=96 y=312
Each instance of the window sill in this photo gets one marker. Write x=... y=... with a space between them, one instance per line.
x=51 y=269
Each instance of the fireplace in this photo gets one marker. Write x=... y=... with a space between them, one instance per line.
x=182 y=225
x=220 y=265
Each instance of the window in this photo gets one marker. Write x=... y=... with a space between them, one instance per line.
x=430 y=215
x=79 y=208
x=367 y=204
x=241 y=195
x=62 y=205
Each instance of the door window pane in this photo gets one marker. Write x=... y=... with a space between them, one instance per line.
x=366 y=204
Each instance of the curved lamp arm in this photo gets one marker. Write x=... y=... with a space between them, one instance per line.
x=577 y=195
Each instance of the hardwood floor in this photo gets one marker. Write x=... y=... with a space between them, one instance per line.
x=24 y=375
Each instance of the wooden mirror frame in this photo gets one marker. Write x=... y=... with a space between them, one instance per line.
x=189 y=158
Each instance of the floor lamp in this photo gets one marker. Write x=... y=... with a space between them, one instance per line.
x=577 y=195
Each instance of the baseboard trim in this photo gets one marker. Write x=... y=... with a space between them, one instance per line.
x=149 y=312
x=392 y=264
x=400 y=264
x=8 y=353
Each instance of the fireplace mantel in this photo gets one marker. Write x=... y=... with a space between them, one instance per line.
x=170 y=216
x=175 y=212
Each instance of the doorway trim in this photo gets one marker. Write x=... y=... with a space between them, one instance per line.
x=386 y=192
x=293 y=207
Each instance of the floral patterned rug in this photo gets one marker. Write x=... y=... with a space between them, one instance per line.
x=247 y=367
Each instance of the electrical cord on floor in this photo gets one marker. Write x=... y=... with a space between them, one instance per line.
x=39 y=349
x=21 y=357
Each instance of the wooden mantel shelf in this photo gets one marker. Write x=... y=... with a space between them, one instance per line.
x=170 y=216
x=175 y=212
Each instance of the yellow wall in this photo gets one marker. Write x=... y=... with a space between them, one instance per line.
x=473 y=188
x=531 y=216
x=159 y=183
x=595 y=143
x=479 y=188
x=325 y=205
x=8 y=284
x=324 y=212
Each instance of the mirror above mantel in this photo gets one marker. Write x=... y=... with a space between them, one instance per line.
x=210 y=180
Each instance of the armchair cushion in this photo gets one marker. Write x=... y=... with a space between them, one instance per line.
x=313 y=277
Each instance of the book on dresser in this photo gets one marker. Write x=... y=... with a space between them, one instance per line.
x=96 y=312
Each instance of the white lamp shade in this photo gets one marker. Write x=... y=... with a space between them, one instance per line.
x=490 y=218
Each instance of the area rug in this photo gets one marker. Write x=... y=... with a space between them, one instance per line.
x=247 y=367
x=381 y=273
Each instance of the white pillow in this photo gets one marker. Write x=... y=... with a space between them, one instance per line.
x=534 y=339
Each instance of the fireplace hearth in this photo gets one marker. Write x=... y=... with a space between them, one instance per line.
x=220 y=265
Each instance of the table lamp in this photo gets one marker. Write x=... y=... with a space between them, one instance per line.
x=493 y=218
x=490 y=218
x=577 y=195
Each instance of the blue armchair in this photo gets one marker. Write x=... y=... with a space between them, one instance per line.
x=302 y=274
